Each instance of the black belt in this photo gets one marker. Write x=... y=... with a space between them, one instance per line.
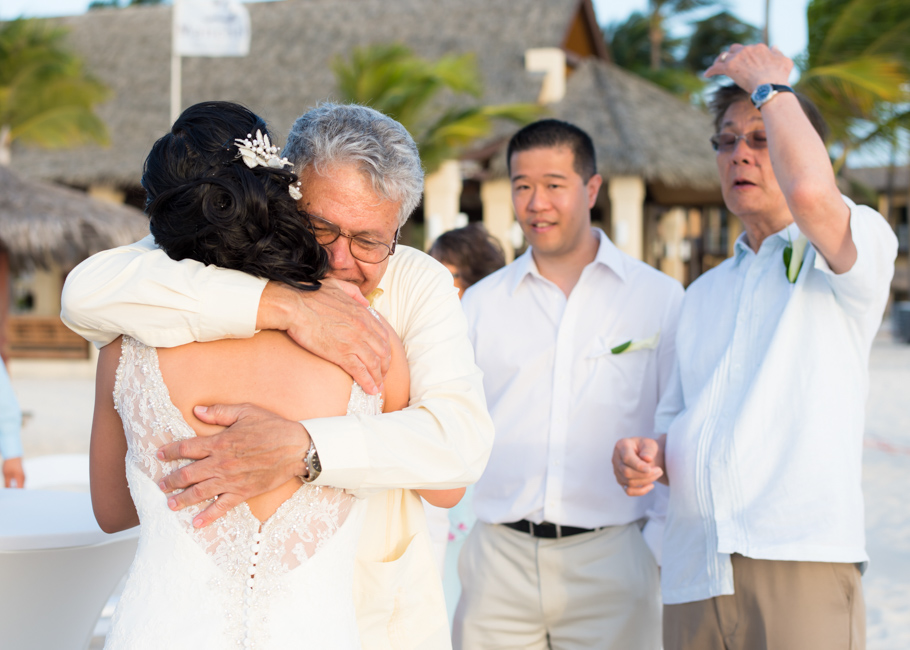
x=546 y=530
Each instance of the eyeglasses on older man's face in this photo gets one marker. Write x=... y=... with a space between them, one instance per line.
x=726 y=142
x=362 y=248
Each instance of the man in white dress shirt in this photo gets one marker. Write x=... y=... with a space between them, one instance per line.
x=575 y=339
x=764 y=536
x=361 y=178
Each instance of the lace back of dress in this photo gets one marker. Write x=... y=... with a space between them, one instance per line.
x=295 y=532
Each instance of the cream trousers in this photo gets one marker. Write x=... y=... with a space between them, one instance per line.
x=593 y=590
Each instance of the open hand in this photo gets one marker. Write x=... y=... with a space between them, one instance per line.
x=332 y=323
x=752 y=65
x=258 y=452
x=638 y=463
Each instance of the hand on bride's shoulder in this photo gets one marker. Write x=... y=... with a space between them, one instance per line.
x=333 y=323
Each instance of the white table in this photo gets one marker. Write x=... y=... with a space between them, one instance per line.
x=32 y=520
x=58 y=568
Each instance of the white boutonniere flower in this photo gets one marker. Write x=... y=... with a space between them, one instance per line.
x=632 y=345
x=793 y=257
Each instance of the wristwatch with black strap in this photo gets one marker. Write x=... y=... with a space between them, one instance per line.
x=765 y=92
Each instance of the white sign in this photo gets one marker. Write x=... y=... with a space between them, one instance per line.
x=211 y=28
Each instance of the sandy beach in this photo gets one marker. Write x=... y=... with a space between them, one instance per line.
x=59 y=400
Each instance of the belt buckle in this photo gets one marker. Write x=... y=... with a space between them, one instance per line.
x=558 y=531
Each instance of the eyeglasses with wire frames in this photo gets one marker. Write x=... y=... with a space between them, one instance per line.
x=726 y=142
x=362 y=248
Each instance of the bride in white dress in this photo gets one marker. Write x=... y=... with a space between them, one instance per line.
x=277 y=571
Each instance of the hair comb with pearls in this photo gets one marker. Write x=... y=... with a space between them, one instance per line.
x=259 y=152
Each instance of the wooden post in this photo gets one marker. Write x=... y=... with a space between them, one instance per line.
x=498 y=216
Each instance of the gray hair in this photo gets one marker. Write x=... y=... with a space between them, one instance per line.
x=379 y=146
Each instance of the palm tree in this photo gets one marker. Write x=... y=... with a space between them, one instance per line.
x=857 y=68
x=394 y=81
x=712 y=35
x=658 y=12
x=631 y=49
x=46 y=97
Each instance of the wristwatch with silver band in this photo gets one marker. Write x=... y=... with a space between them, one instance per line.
x=313 y=466
x=765 y=92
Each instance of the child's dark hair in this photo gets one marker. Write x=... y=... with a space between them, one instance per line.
x=471 y=250
x=205 y=204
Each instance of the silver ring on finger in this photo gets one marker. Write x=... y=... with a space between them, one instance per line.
x=724 y=55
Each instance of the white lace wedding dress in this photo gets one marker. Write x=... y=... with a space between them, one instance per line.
x=285 y=583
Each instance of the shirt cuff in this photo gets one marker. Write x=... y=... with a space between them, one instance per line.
x=341 y=444
x=10 y=447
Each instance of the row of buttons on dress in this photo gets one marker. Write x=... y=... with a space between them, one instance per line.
x=248 y=596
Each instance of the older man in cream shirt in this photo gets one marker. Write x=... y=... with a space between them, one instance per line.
x=361 y=179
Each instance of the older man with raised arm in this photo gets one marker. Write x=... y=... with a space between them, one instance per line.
x=360 y=179
x=764 y=537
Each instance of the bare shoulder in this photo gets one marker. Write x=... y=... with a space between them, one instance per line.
x=268 y=370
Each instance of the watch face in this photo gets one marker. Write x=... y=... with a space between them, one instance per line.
x=761 y=93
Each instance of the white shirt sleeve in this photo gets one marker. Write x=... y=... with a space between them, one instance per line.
x=863 y=290
x=10 y=418
x=443 y=438
x=138 y=290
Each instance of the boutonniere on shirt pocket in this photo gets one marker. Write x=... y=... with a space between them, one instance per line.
x=632 y=345
x=793 y=257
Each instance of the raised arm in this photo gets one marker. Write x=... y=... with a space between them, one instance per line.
x=798 y=155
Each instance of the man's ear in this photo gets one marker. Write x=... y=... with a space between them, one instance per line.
x=593 y=188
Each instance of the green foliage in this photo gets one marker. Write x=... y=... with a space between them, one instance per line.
x=658 y=12
x=46 y=97
x=630 y=45
x=857 y=68
x=715 y=33
x=682 y=60
x=394 y=81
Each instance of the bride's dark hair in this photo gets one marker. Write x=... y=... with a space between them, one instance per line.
x=205 y=204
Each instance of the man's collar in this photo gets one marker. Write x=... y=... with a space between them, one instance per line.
x=607 y=255
x=741 y=247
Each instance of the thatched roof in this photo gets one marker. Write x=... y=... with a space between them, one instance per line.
x=41 y=223
x=876 y=178
x=289 y=70
x=637 y=128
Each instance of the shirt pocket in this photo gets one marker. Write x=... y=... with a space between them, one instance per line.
x=617 y=379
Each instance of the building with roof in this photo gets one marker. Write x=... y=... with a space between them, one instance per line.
x=661 y=201
x=887 y=189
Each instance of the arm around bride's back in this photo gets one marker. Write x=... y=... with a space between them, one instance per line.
x=138 y=290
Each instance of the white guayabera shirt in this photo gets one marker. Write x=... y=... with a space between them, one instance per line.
x=765 y=420
x=560 y=397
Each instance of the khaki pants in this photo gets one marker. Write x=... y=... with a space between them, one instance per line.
x=593 y=590
x=776 y=606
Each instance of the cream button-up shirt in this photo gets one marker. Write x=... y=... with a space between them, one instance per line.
x=765 y=417
x=559 y=397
